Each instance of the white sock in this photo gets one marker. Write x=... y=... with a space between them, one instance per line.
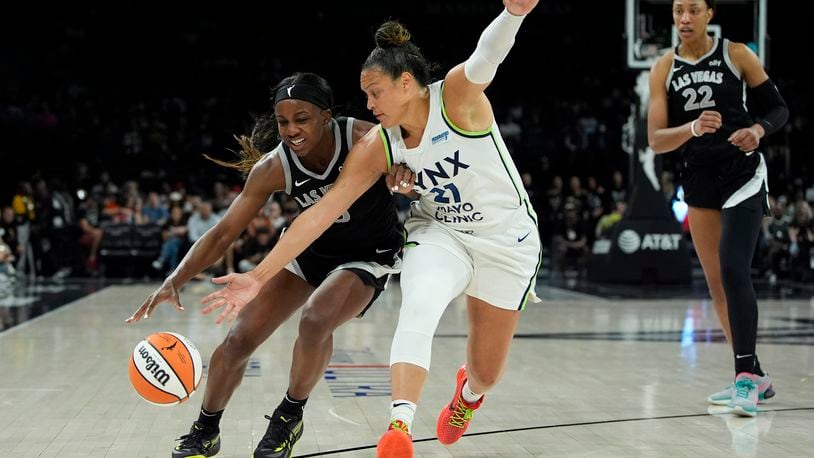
x=404 y=410
x=470 y=396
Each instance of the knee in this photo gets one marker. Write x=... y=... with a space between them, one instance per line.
x=316 y=322
x=238 y=346
x=716 y=291
x=486 y=377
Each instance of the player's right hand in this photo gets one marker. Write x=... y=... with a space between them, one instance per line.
x=708 y=122
x=400 y=179
x=167 y=292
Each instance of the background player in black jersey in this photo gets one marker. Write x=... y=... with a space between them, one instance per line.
x=696 y=105
x=336 y=279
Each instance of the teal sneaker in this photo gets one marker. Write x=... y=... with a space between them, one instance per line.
x=283 y=432
x=764 y=392
x=744 y=395
x=200 y=442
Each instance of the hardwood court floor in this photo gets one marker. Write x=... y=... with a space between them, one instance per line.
x=587 y=377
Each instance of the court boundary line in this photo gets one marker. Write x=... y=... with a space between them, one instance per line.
x=560 y=425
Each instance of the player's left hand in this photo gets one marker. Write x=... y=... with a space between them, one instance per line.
x=520 y=7
x=240 y=290
x=746 y=139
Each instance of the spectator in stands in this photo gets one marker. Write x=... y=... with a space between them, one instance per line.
x=570 y=244
x=618 y=190
x=776 y=240
x=256 y=248
x=6 y=260
x=801 y=236
x=26 y=216
x=201 y=220
x=155 y=211
x=604 y=227
x=174 y=241
x=8 y=231
x=89 y=218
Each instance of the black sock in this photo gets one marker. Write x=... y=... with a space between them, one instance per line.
x=292 y=406
x=757 y=369
x=745 y=363
x=210 y=420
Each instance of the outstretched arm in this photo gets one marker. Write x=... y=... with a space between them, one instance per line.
x=365 y=164
x=464 y=99
x=265 y=178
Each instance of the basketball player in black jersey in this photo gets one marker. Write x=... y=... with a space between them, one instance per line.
x=337 y=278
x=697 y=105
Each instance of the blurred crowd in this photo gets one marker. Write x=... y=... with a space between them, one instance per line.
x=102 y=156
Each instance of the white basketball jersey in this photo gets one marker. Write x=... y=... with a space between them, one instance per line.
x=466 y=180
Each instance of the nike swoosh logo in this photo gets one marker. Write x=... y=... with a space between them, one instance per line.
x=300 y=183
x=675 y=69
x=520 y=239
x=742 y=356
x=382 y=251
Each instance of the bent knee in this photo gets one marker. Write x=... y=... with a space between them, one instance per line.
x=239 y=345
x=318 y=319
x=485 y=377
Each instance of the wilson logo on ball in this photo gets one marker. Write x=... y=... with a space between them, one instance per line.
x=153 y=367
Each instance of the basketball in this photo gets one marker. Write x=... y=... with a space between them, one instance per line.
x=165 y=368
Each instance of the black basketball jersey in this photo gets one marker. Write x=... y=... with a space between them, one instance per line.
x=710 y=83
x=371 y=223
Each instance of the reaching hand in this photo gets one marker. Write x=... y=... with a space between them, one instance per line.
x=400 y=179
x=520 y=7
x=165 y=293
x=747 y=139
x=240 y=290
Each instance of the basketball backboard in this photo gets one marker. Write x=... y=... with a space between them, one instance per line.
x=649 y=29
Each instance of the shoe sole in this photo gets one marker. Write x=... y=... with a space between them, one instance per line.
x=289 y=455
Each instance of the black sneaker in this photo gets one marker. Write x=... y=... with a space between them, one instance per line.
x=283 y=432
x=200 y=442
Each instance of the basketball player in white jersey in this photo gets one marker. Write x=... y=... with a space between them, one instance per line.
x=471 y=232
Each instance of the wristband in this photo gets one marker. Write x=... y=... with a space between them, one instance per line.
x=692 y=129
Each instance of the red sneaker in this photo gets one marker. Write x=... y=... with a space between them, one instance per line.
x=454 y=418
x=396 y=442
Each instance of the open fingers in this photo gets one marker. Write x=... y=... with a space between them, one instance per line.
x=142 y=311
x=226 y=312
x=213 y=296
x=214 y=305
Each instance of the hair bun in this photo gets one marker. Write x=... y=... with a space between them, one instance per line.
x=391 y=34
